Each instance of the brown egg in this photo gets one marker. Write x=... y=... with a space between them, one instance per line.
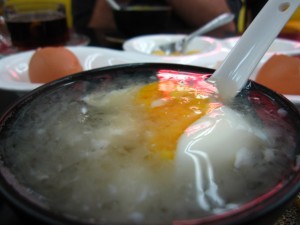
x=51 y=63
x=281 y=73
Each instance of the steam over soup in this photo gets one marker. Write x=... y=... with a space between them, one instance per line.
x=152 y=153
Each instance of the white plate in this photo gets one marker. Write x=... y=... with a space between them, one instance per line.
x=148 y=43
x=211 y=51
x=280 y=46
x=14 y=68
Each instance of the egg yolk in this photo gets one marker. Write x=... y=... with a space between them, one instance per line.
x=168 y=115
x=162 y=53
x=51 y=63
x=281 y=73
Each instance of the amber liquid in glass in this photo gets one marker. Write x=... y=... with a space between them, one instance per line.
x=38 y=30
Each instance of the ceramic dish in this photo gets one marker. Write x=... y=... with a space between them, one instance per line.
x=282 y=46
x=148 y=43
x=14 y=68
x=75 y=151
x=205 y=45
x=210 y=51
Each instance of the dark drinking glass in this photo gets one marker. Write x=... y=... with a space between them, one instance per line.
x=36 y=24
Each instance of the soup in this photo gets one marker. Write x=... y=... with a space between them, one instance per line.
x=145 y=151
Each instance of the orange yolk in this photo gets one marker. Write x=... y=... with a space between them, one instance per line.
x=168 y=115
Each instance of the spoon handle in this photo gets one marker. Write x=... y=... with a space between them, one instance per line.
x=113 y=4
x=238 y=66
x=215 y=23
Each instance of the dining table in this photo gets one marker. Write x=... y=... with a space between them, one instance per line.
x=114 y=40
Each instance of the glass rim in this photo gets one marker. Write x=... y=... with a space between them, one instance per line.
x=13 y=8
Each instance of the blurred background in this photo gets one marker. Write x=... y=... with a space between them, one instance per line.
x=83 y=17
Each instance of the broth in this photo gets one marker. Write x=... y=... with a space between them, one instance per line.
x=96 y=158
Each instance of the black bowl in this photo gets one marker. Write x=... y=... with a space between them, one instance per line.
x=265 y=104
x=139 y=20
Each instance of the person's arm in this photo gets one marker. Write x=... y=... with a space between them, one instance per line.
x=198 y=12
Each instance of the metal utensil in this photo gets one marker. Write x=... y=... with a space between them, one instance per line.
x=181 y=45
x=113 y=4
x=238 y=66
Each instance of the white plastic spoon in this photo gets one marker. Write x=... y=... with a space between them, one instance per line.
x=113 y=4
x=181 y=45
x=197 y=150
x=238 y=66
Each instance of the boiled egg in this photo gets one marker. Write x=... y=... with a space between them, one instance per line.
x=51 y=63
x=281 y=73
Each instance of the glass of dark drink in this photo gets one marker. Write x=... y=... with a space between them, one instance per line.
x=35 y=24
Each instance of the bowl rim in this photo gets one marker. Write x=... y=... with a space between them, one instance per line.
x=279 y=195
